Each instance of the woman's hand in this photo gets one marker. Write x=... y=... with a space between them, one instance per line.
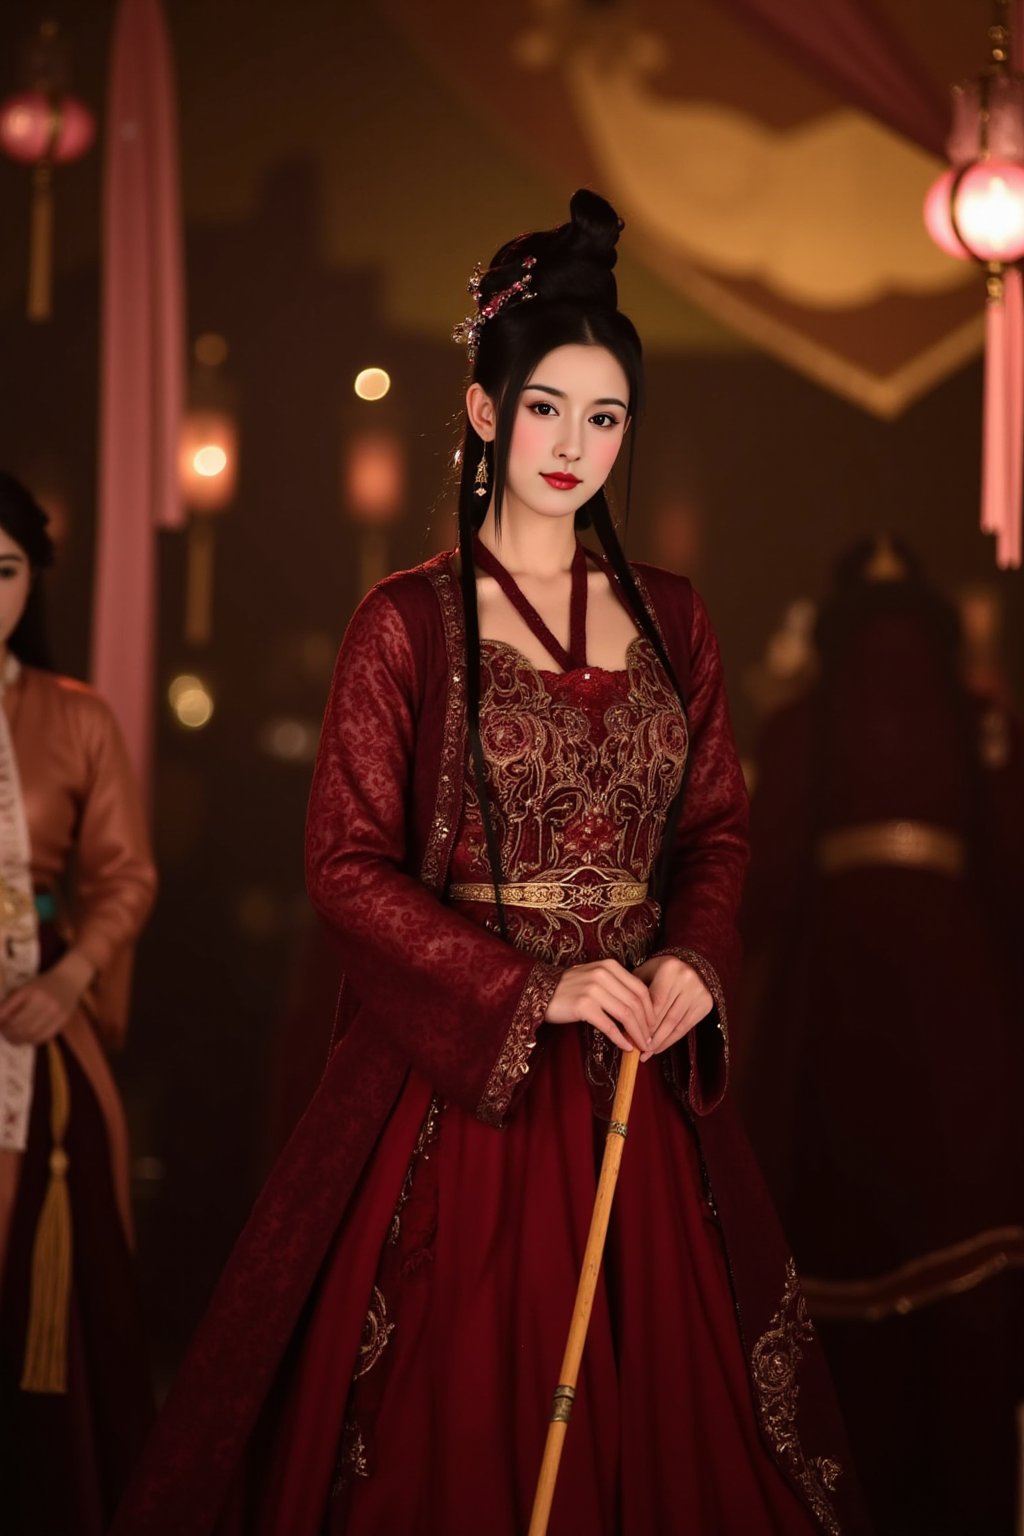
x=39 y=1010
x=679 y=997
x=611 y=998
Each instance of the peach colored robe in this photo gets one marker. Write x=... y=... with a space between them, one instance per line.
x=90 y=847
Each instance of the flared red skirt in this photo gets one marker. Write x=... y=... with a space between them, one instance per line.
x=454 y=1275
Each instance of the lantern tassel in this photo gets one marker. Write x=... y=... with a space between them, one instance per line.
x=40 y=251
x=1003 y=430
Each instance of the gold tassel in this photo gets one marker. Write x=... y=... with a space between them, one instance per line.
x=46 y=1342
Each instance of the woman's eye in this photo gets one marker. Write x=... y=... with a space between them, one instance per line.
x=7 y=572
x=605 y=419
x=542 y=408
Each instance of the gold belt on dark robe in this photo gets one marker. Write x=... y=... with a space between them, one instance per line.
x=603 y=893
x=899 y=844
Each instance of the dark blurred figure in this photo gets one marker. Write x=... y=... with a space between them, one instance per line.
x=882 y=1073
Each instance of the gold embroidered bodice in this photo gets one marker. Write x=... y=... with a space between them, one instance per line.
x=582 y=768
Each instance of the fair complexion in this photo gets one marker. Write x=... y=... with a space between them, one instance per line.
x=39 y=1010
x=570 y=421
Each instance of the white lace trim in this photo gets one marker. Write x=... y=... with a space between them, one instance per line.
x=19 y=930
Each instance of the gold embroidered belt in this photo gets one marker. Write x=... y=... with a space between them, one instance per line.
x=558 y=895
x=902 y=844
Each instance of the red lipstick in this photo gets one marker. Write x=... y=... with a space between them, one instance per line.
x=562 y=482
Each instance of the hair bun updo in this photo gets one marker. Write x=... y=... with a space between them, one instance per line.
x=594 y=228
x=574 y=261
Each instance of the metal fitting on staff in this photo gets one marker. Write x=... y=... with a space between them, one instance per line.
x=561 y=1407
x=618 y=1128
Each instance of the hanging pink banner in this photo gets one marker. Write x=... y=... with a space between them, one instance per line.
x=1002 y=461
x=142 y=366
x=1002 y=476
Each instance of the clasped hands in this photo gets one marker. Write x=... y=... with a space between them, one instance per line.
x=651 y=1008
x=39 y=1010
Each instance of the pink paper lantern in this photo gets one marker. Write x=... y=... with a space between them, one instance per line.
x=26 y=127
x=34 y=128
x=976 y=209
x=988 y=205
x=42 y=130
x=938 y=219
x=77 y=130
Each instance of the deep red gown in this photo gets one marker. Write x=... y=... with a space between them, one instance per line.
x=454 y=1331
x=467 y=1307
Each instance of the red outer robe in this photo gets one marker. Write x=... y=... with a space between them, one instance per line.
x=426 y=987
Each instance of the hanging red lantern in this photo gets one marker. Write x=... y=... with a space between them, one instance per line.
x=975 y=210
x=34 y=127
x=987 y=207
x=938 y=218
x=44 y=127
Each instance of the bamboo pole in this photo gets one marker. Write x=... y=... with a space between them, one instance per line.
x=565 y=1392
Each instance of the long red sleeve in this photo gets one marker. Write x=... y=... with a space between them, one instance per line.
x=461 y=1004
x=708 y=863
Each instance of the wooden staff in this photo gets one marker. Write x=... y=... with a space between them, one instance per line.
x=565 y=1392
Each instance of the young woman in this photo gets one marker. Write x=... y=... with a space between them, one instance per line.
x=76 y=884
x=527 y=831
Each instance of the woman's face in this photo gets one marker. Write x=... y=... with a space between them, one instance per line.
x=567 y=431
x=15 y=582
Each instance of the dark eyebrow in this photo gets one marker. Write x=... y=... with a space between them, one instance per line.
x=13 y=555
x=560 y=394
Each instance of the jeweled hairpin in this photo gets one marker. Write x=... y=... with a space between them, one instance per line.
x=468 y=330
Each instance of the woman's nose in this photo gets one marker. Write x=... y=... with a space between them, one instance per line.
x=568 y=446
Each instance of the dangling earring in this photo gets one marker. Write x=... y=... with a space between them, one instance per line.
x=480 y=483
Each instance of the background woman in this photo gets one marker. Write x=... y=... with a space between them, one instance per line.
x=77 y=884
x=522 y=887
x=882 y=1063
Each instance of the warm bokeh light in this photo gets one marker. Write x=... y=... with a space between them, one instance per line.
x=372 y=384
x=191 y=701
x=989 y=207
x=210 y=460
x=211 y=349
x=31 y=130
x=374 y=477
x=290 y=741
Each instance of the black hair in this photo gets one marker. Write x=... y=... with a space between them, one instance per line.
x=573 y=300
x=24 y=521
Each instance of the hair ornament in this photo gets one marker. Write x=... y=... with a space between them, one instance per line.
x=468 y=331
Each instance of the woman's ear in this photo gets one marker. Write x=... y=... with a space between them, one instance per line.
x=483 y=418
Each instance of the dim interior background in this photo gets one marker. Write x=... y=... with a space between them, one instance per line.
x=336 y=195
